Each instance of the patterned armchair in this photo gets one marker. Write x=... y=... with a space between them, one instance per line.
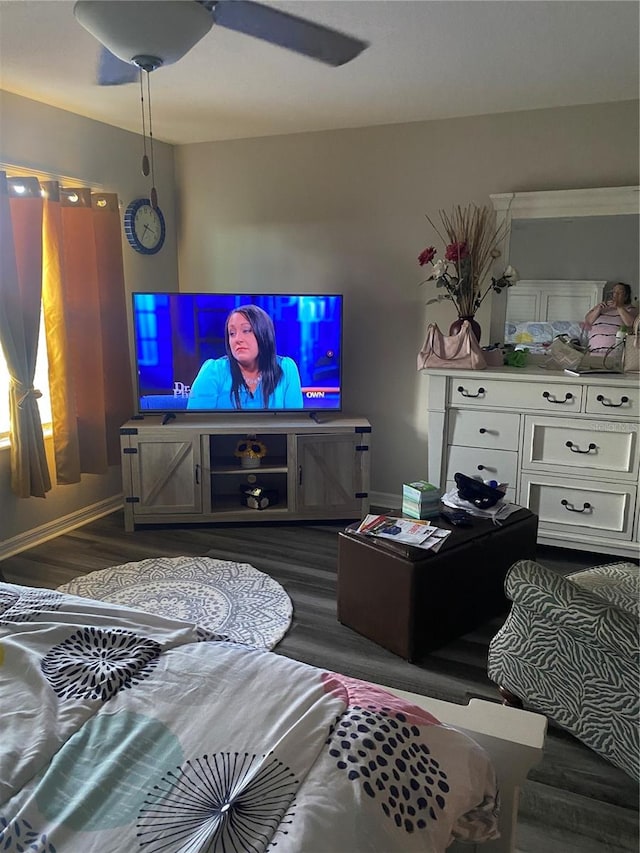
x=570 y=650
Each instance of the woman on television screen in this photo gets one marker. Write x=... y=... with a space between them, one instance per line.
x=251 y=375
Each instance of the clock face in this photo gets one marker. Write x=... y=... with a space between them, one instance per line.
x=144 y=226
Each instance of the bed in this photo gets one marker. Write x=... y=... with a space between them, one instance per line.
x=124 y=731
x=537 y=311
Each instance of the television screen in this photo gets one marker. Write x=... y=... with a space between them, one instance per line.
x=223 y=352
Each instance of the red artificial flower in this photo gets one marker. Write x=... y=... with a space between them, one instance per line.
x=457 y=251
x=426 y=256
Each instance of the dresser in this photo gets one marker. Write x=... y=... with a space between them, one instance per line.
x=567 y=446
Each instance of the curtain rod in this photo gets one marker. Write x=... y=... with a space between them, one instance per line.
x=26 y=172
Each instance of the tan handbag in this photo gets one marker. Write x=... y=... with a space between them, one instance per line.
x=461 y=351
x=566 y=355
x=631 y=357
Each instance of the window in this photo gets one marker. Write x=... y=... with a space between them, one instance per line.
x=41 y=378
x=41 y=382
x=81 y=265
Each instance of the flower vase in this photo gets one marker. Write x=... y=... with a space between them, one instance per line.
x=456 y=326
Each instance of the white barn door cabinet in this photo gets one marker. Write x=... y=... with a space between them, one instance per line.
x=186 y=471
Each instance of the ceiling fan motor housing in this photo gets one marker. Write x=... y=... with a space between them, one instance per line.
x=138 y=31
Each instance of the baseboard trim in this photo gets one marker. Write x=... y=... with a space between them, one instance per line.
x=39 y=535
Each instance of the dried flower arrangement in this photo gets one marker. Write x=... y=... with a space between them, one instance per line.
x=471 y=241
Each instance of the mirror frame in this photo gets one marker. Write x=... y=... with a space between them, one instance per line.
x=553 y=204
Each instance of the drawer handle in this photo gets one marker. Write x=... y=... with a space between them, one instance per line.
x=197 y=475
x=575 y=449
x=464 y=393
x=568 y=396
x=486 y=468
x=571 y=508
x=609 y=405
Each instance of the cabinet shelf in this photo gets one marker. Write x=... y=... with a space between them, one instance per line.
x=272 y=467
x=230 y=505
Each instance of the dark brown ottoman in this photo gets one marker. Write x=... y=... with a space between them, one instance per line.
x=412 y=601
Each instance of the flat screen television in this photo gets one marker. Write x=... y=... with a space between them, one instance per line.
x=224 y=352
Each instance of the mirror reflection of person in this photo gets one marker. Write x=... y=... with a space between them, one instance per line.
x=604 y=319
x=251 y=375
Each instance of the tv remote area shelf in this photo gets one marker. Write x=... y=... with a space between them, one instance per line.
x=185 y=471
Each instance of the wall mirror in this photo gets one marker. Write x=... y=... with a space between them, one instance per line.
x=568 y=246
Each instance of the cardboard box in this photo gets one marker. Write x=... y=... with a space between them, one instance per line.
x=421 y=493
x=412 y=509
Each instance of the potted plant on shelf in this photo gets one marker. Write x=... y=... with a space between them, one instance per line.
x=471 y=240
x=250 y=451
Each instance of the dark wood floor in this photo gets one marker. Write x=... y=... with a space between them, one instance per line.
x=574 y=802
x=105 y=543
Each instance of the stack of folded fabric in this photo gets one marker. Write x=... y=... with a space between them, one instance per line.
x=420 y=499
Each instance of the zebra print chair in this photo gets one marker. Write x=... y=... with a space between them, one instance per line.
x=570 y=650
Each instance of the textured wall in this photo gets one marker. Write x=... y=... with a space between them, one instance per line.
x=35 y=136
x=344 y=211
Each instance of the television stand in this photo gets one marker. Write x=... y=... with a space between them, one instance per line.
x=186 y=470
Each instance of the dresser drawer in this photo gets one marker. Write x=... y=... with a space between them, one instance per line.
x=494 y=430
x=523 y=396
x=613 y=400
x=586 y=447
x=500 y=465
x=592 y=509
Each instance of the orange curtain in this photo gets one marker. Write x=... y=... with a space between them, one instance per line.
x=20 y=299
x=82 y=309
x=61 y=381
x=93 y=383
x=75 y=254
x=118 y=388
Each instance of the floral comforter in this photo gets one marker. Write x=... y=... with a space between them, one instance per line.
x=121 y=731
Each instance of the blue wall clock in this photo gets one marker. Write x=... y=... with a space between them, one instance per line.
x=144 y=226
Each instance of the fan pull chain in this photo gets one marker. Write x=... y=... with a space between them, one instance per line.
x=154 y=192
x=145 y=159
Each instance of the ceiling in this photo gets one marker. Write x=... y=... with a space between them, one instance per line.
x=426 y=60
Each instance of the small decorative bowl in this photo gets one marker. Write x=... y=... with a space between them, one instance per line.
x=250 y=461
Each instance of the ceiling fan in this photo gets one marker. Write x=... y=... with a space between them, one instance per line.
x=138 y=36
x=145 y=34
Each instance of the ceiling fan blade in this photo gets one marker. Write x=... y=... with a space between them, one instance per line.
x=288 y=31
x=113 y=71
